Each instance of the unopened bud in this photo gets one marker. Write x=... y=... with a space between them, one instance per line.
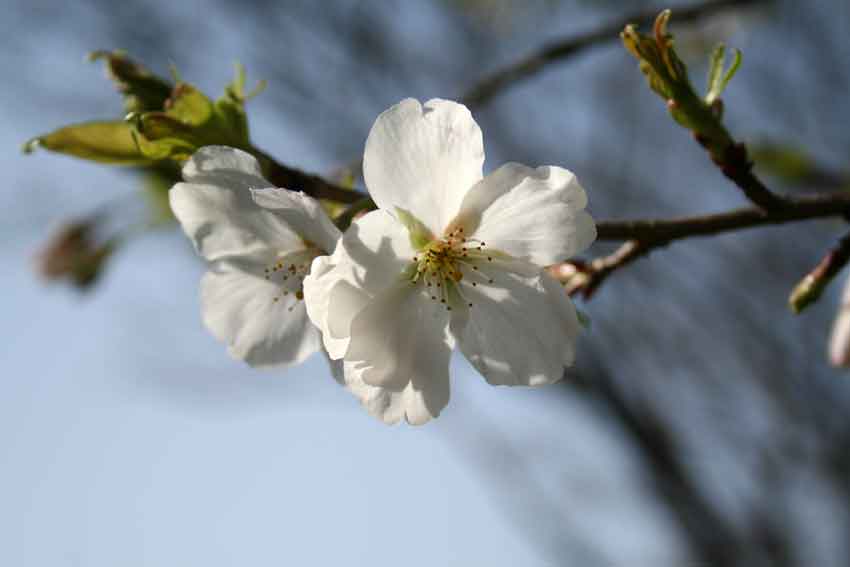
x=71 y=253
x=573 y=275
x=563 y=272
x=812 y=285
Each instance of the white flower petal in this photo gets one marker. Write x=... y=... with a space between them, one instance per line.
x=239 y=168
x=423 y=159
x=345 y=301
x=217 y=212
x=303 y=213
x=520 y=330
x=368 y=259
x=378 y=247
x=533 y=214
x=239 y=308
x=839 y=339
x=416 y=406
x=317 y=288
x=336 y=367
x=401 y=337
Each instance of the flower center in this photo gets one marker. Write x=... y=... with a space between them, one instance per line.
x=447 y=264
x=288 y=272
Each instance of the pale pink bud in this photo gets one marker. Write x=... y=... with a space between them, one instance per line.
x=839 y=341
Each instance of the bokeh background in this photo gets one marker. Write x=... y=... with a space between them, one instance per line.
x=702 y=424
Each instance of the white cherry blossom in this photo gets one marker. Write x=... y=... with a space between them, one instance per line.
x=450 y=258
x=260 y=242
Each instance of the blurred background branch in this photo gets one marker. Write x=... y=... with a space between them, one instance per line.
x=558 y=51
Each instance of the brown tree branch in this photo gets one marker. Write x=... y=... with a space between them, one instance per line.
x=557 y=52
x=797 y=209
x=296 y=180
x=643 y=236
x=600 y=268
x=737 y=167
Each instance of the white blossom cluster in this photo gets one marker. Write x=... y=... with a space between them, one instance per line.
x=450 y=258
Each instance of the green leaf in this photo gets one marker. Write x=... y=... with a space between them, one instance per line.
x=191 y=120
x=718 y=80
x=733 y=68
x=104 y=142
x=715 y=70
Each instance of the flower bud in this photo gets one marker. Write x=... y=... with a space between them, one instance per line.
x=72 y=253
x=812 y=285
x=573 y=275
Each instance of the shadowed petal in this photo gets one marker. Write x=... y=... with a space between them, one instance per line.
x=369 y=259
x=239 y=307
x=216 y=210
x=400 y=340
x=520 y=330
x=303 y=213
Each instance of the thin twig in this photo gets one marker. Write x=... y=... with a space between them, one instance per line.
x=797 y=209
x=343 y=221
x=737 y=167
x=558 y=51
x=643 y=236
x=600 y=268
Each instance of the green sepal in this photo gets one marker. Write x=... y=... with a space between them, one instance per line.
x=419 y=234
